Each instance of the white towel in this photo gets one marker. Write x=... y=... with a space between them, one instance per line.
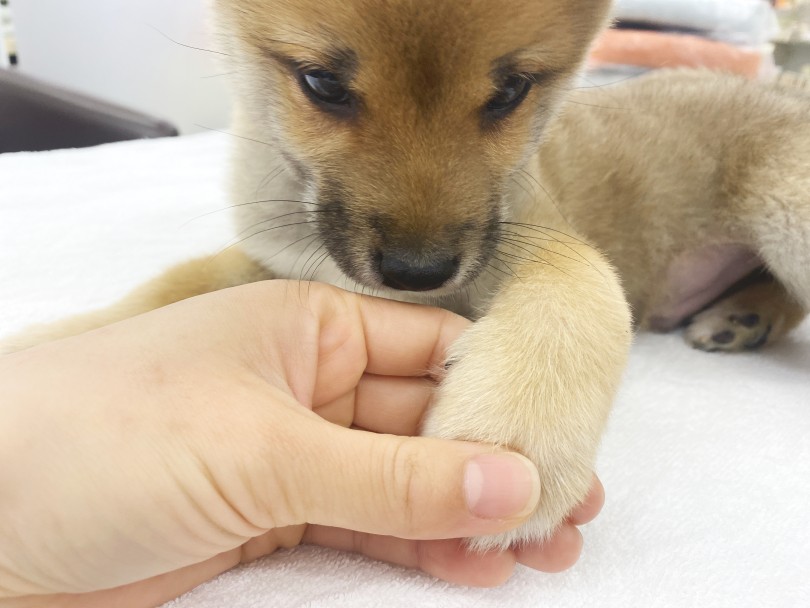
x=706 y=461
x=750 y=22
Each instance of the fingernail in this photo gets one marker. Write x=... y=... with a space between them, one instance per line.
x=501 y=486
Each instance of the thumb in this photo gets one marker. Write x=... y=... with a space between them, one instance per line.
x=413 y=487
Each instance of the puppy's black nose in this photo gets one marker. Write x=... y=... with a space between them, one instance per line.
x=409 y=272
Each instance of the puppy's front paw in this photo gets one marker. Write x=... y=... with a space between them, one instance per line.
x=502 y=390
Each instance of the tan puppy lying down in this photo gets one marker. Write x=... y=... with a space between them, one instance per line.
x=437 y=152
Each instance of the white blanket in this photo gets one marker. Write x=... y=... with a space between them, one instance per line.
x=706 y=461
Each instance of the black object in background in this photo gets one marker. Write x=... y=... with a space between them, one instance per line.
x=37 y=116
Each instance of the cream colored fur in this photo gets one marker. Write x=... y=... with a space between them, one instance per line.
x=648 y=173
x=680 y=160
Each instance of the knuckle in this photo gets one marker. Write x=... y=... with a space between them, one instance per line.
x=404 y=495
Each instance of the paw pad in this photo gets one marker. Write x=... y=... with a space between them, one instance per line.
x=715 y=329
x=759 y=342
x=724 y=337
x=749 y=320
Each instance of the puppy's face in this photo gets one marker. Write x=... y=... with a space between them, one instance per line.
x=406 y=119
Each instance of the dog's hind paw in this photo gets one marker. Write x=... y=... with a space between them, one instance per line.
x=757 y=315
x=717 y=329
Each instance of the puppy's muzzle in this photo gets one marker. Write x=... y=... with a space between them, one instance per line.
x=411 y=271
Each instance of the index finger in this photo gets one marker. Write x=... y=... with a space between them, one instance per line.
x=407 y=339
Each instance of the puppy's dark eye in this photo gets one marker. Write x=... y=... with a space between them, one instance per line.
x=325 y=87
x=509 y=96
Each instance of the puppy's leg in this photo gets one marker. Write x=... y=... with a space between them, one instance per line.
x=538 y=374
x=186 y=280
x=777 y=216
x=756 y=315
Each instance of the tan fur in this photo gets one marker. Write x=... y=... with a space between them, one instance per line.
x=538 y=374
x=682 y=160
x=193 y=278
x=635 y=171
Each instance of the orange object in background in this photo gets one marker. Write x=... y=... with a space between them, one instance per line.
x=666 y=50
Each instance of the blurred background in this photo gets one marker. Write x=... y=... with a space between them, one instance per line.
x=118 y=51
x=131 y=54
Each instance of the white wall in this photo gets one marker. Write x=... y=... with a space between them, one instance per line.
x=5 y=36
x=108 y=48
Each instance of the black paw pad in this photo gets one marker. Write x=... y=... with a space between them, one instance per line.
x=761 y=341
x=724 y=337
x=749 y=321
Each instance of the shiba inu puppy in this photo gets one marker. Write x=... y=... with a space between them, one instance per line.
x=439 y=152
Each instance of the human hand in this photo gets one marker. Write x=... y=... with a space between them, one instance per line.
x=147 y=457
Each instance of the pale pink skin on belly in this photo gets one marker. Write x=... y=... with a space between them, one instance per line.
x=696 y=278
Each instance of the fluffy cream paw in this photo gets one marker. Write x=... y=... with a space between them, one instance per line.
x=529 y=401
